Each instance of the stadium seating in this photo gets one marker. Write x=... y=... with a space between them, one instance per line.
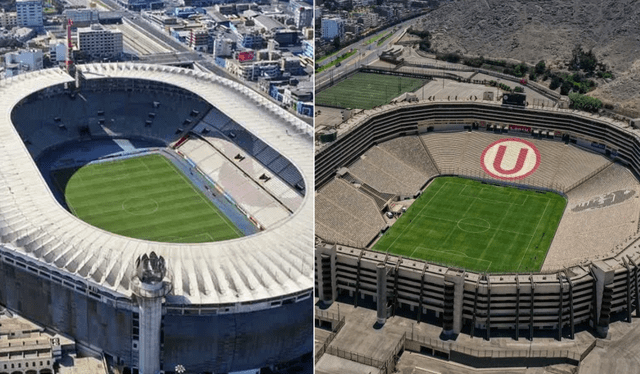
x=562 y=166
x=253 y=146
x=616 y=220
x=411 y=151
x=265 y=204
x=122 y=113
x=345 y=215
x=384 y=172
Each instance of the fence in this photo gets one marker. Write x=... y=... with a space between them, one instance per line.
x=325 y=315
x=436 y=344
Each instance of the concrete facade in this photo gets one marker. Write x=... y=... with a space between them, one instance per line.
x=332 y=27
x=219 y=300
x=29 y=13
x=99 y=42
x=479 y=304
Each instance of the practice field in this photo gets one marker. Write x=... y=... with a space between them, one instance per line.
x=468 y=224
x=366 y=90
x=145 y=198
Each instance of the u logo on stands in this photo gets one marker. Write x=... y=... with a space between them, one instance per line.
x=510 y=159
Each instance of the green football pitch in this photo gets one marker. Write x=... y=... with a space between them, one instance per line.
x=366 y=90
x=475 y=226
x=145 y=198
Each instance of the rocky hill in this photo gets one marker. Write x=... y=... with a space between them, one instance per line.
x=533 y=30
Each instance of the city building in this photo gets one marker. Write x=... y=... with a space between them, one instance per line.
x=81 y=17
x=8 y=20
x=22 y=61
x=307 y=48
x=303 y=16
x=29 y=13
x=223 y=46
x=98 y=42
x=332 y=27
x=57 y=51
x=199 y=39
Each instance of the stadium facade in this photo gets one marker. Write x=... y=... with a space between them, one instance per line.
x=589 y=291
x=218 y=307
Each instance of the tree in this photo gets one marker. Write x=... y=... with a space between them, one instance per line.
x=520 y=70
x=336 y=42
x=583 y=102
x=540 y=67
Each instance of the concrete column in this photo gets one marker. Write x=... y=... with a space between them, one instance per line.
x=457 y=278
x=326 y=273
x=603 y=274
x=149 y=297
x=381 y=270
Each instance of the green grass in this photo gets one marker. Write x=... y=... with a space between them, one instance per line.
x=384 y=39
x=145 y=198
x=343 y=57
x=468 y=224
x=366 y=90
x=374 y=39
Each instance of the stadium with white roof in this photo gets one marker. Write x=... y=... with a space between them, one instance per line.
x=228 y=306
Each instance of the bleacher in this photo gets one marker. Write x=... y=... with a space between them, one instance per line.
x=446 y=149
x=345 y=215
x=385 y=173
x=599 y=229
x=561 y=168
x=409 y=150
x=106 y=113
x=254 y=147
x=272 y=181
x=248 y=194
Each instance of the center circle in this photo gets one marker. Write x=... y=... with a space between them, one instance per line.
x=474 y=225
x=140 y=206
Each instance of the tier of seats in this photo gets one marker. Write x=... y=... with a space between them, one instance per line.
x=255 y=147
x=60 y=118
x=384 y=172
x=345 y=215
x=612 y=216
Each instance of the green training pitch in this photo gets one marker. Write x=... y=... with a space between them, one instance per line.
x=366 y=90
x=476 y=226
x=145 y=198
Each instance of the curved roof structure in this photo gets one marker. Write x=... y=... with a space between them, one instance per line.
x=273 y=263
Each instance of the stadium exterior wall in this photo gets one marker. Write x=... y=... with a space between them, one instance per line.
x=92 y=301
x=587 y=294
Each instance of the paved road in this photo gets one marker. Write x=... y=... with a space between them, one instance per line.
x=366 y=54
x=177 y=52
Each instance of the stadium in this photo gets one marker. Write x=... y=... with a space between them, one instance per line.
x=158 y=216
x=385 y=237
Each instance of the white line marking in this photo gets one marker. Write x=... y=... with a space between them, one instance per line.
x=534 y=234
x=207 y=202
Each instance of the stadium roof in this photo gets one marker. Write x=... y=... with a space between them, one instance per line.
x=269 y=264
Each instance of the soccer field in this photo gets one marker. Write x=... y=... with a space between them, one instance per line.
x=366 y=90
x=145 y=198
x=468 y=224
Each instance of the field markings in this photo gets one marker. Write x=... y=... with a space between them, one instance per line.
x=113 y=171
x=455 y=253
x=498 y=228
x=207 y=202
x=534 y=234
x=418 y=214
x=454 y=221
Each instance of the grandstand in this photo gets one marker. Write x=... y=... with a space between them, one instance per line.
x=88 y=279
x=346 y=215
x=591 y=273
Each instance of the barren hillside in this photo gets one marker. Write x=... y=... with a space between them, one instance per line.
x=533 y=30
